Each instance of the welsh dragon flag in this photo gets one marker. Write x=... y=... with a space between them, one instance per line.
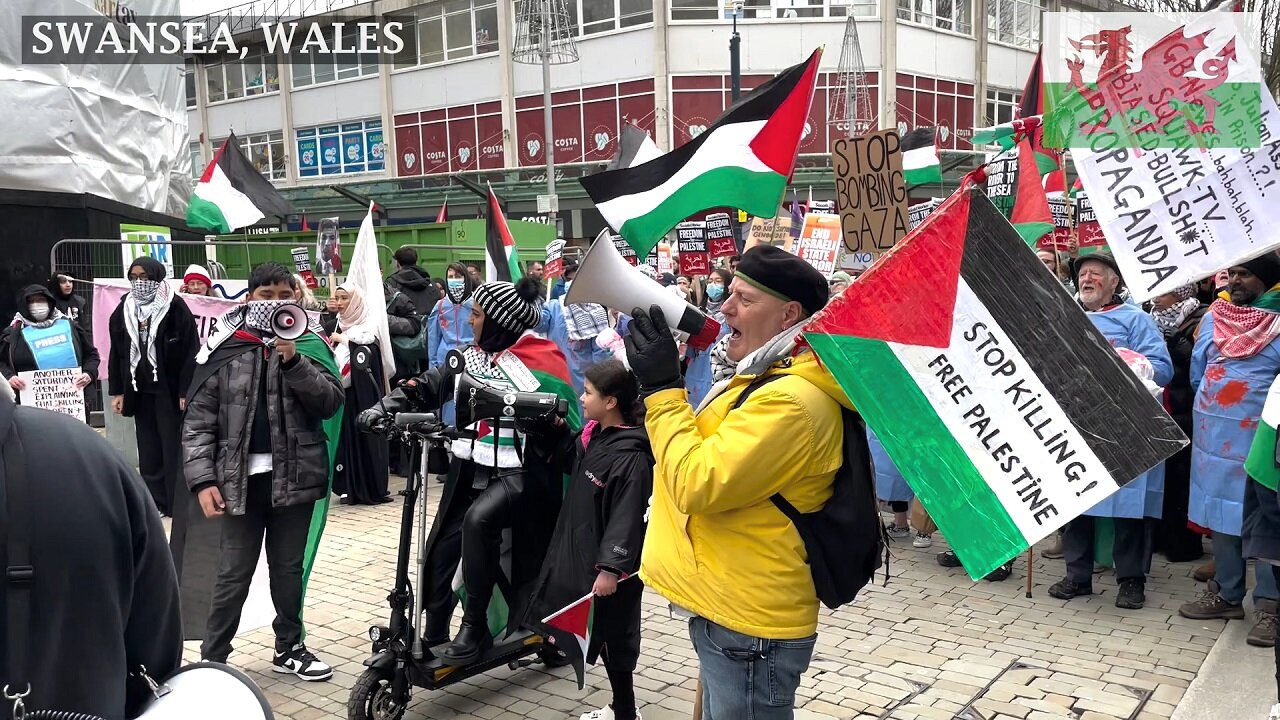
x=1002 y=406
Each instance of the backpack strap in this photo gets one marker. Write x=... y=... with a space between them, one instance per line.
x=14 y=514
x=755 y=385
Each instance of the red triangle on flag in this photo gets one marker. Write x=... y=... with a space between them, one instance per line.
x=909 y=296
x=575 y=619
x=1031 y=205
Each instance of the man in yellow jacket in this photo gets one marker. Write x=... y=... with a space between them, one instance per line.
x=716 y=547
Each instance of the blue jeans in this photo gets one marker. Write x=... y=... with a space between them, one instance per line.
x=1228 y=558
x=747 y=678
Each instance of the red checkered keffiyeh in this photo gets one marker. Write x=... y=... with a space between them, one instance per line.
x=1241 y=331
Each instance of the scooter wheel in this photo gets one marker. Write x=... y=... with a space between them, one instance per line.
x=371 y=698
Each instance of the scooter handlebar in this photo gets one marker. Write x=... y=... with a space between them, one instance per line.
x=406 y=419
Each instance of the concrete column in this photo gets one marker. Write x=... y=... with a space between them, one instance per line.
x=888 y=64
x=507 y=82
x=661 y=78
x=389 y=154
x=286 y=118
x=981 y=51
x=202 y=107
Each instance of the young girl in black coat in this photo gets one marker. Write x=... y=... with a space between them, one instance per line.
x=598 y=536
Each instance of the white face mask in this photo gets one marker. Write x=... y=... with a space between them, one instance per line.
x=38 y=311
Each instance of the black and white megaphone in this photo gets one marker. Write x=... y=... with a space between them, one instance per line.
x=479 y=401
x=605 y=278
x=207 y=691
x=289 y=321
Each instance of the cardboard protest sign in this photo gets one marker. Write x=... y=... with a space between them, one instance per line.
x=720 y=240
x=1060 y=238
x=1007 y=419
x=769 y=231
x=691 y=241
x=54 y=390
x=1089 y=237
x=554 y=265
x=624 y=248
x=665 y=264
x=302 y=265
x=1172 y=216
x=870 y=190
x=819 y=243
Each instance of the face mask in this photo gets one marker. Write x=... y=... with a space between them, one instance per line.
x=457 y=289
x=144 y=291
x=258 y=313
x=715 y=293
x=38 y=311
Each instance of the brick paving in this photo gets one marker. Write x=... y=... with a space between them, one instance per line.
x=930 y=644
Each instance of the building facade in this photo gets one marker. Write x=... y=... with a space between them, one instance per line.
x=454 y=102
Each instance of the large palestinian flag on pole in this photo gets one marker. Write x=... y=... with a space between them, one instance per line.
x=742 y=161
x=232 y=193
x=503 y=261
x=1002 y=406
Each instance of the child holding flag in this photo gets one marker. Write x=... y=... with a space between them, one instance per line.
x=598 y=536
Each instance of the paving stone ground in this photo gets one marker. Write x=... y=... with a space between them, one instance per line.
x=930 y=644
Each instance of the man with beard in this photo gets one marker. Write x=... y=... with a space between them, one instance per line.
x=259 y=440
x=1126 y=326
x=1233 y=364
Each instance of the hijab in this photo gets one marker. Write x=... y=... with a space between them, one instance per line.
x=357 y=312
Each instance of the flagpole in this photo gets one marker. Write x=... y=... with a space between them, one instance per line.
x=549 y=146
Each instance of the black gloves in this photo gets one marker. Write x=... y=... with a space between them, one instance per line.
x=373 y=419
x=652 y=352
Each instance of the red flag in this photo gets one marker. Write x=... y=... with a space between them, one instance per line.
x=1031 y=215
x=305 y=226
x=442 y=217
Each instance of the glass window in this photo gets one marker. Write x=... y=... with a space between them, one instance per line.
x=598 y=16
x=1015 y=22
x=197 y=161
x=695 y=9
x=408 y=55
x=190 y=78
x=431 y=40
x=458 y=33
x=303 y=73
x=354 y=147
x=857 y=8
x=272 y=73
x=323 y=65
x=486 y=21
x=953 y=15
x=215 y=83
x=1002 y=106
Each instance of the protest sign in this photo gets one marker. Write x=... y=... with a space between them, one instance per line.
x=151 y=241
x=328 y=259
x=858 y=261
x=302 y=265
x=554 y=265
x=720 y=241
x=988 y=408
x=54 y=390
x=664 y=262
x=624 y=248
x=761 y=231
x=1002 y=181
x=918 y=212
x=691 y=241
x=870 y=191
x=1060 y=238
x=1089 y=237
x=819 y=243
x=1169 y=220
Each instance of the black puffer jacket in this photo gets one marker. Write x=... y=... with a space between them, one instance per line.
x=219 y=419
x=416 y=284
x=402 y=317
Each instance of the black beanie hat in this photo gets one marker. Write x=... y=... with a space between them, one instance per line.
x=1265 y=267
x=155 y=271
x=785 y=276
x=514 y=307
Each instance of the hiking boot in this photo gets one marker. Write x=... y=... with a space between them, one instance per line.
x=922 y=540
x=1211 y=606
x=299 y=661
x=1263 y=632
x=1205 y=572
x=1131 y=595
x=947 y=558
x=897 y=533
x=1054 y=551
x=1065 y=590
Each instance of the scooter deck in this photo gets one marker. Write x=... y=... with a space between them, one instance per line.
x=434 y=674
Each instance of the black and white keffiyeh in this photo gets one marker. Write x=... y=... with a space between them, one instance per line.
x=145 y=307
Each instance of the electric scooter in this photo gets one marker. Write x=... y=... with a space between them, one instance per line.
x=401 y=660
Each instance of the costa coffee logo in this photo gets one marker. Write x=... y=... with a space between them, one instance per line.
x=489 y=150
x=566 y=142
x=533 y=145
x=436 y=155
x=601 y=139
x=464 y=154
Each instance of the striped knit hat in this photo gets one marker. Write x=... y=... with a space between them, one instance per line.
x=508 y=306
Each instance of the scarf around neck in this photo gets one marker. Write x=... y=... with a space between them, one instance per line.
x=782 y=345
x=1242 y=331
x=20 y=320
x=153 y=312
x=1172 y=317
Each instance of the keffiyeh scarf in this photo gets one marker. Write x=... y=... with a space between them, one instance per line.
x=782 y=345
x=145 y=307
x=1242 y=331
x=1172 y=317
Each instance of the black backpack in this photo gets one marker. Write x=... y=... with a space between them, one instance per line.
x=845 y=538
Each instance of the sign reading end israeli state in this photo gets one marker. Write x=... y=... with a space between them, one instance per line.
x=819 y=243
x=871 y=191
x=1007 y=419
x=54 y=390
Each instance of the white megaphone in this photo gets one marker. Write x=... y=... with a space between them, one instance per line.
x=207 y=691
x=289 y=322
x=605 y=278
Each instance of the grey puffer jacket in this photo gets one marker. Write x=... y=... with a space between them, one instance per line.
x=219 y=419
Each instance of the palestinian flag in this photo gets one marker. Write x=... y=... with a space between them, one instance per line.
x=551 y=369
x=743 y=160
x=232 y=194
x=1015 y=187
x=570 y=630
x=1002 y=406
x=1263 y=462
x=503 y=261
x=920 y=163
x=635 y=147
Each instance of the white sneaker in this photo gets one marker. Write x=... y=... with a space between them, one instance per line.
x=922 y=540
x=604 y=713
x=896 y=532
x=1275 y=712
x=299 y=661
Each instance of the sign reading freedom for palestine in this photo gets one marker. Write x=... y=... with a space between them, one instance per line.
x=1007 y=419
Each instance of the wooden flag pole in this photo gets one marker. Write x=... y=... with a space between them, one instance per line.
x=697 y=701
x=1031 y=556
